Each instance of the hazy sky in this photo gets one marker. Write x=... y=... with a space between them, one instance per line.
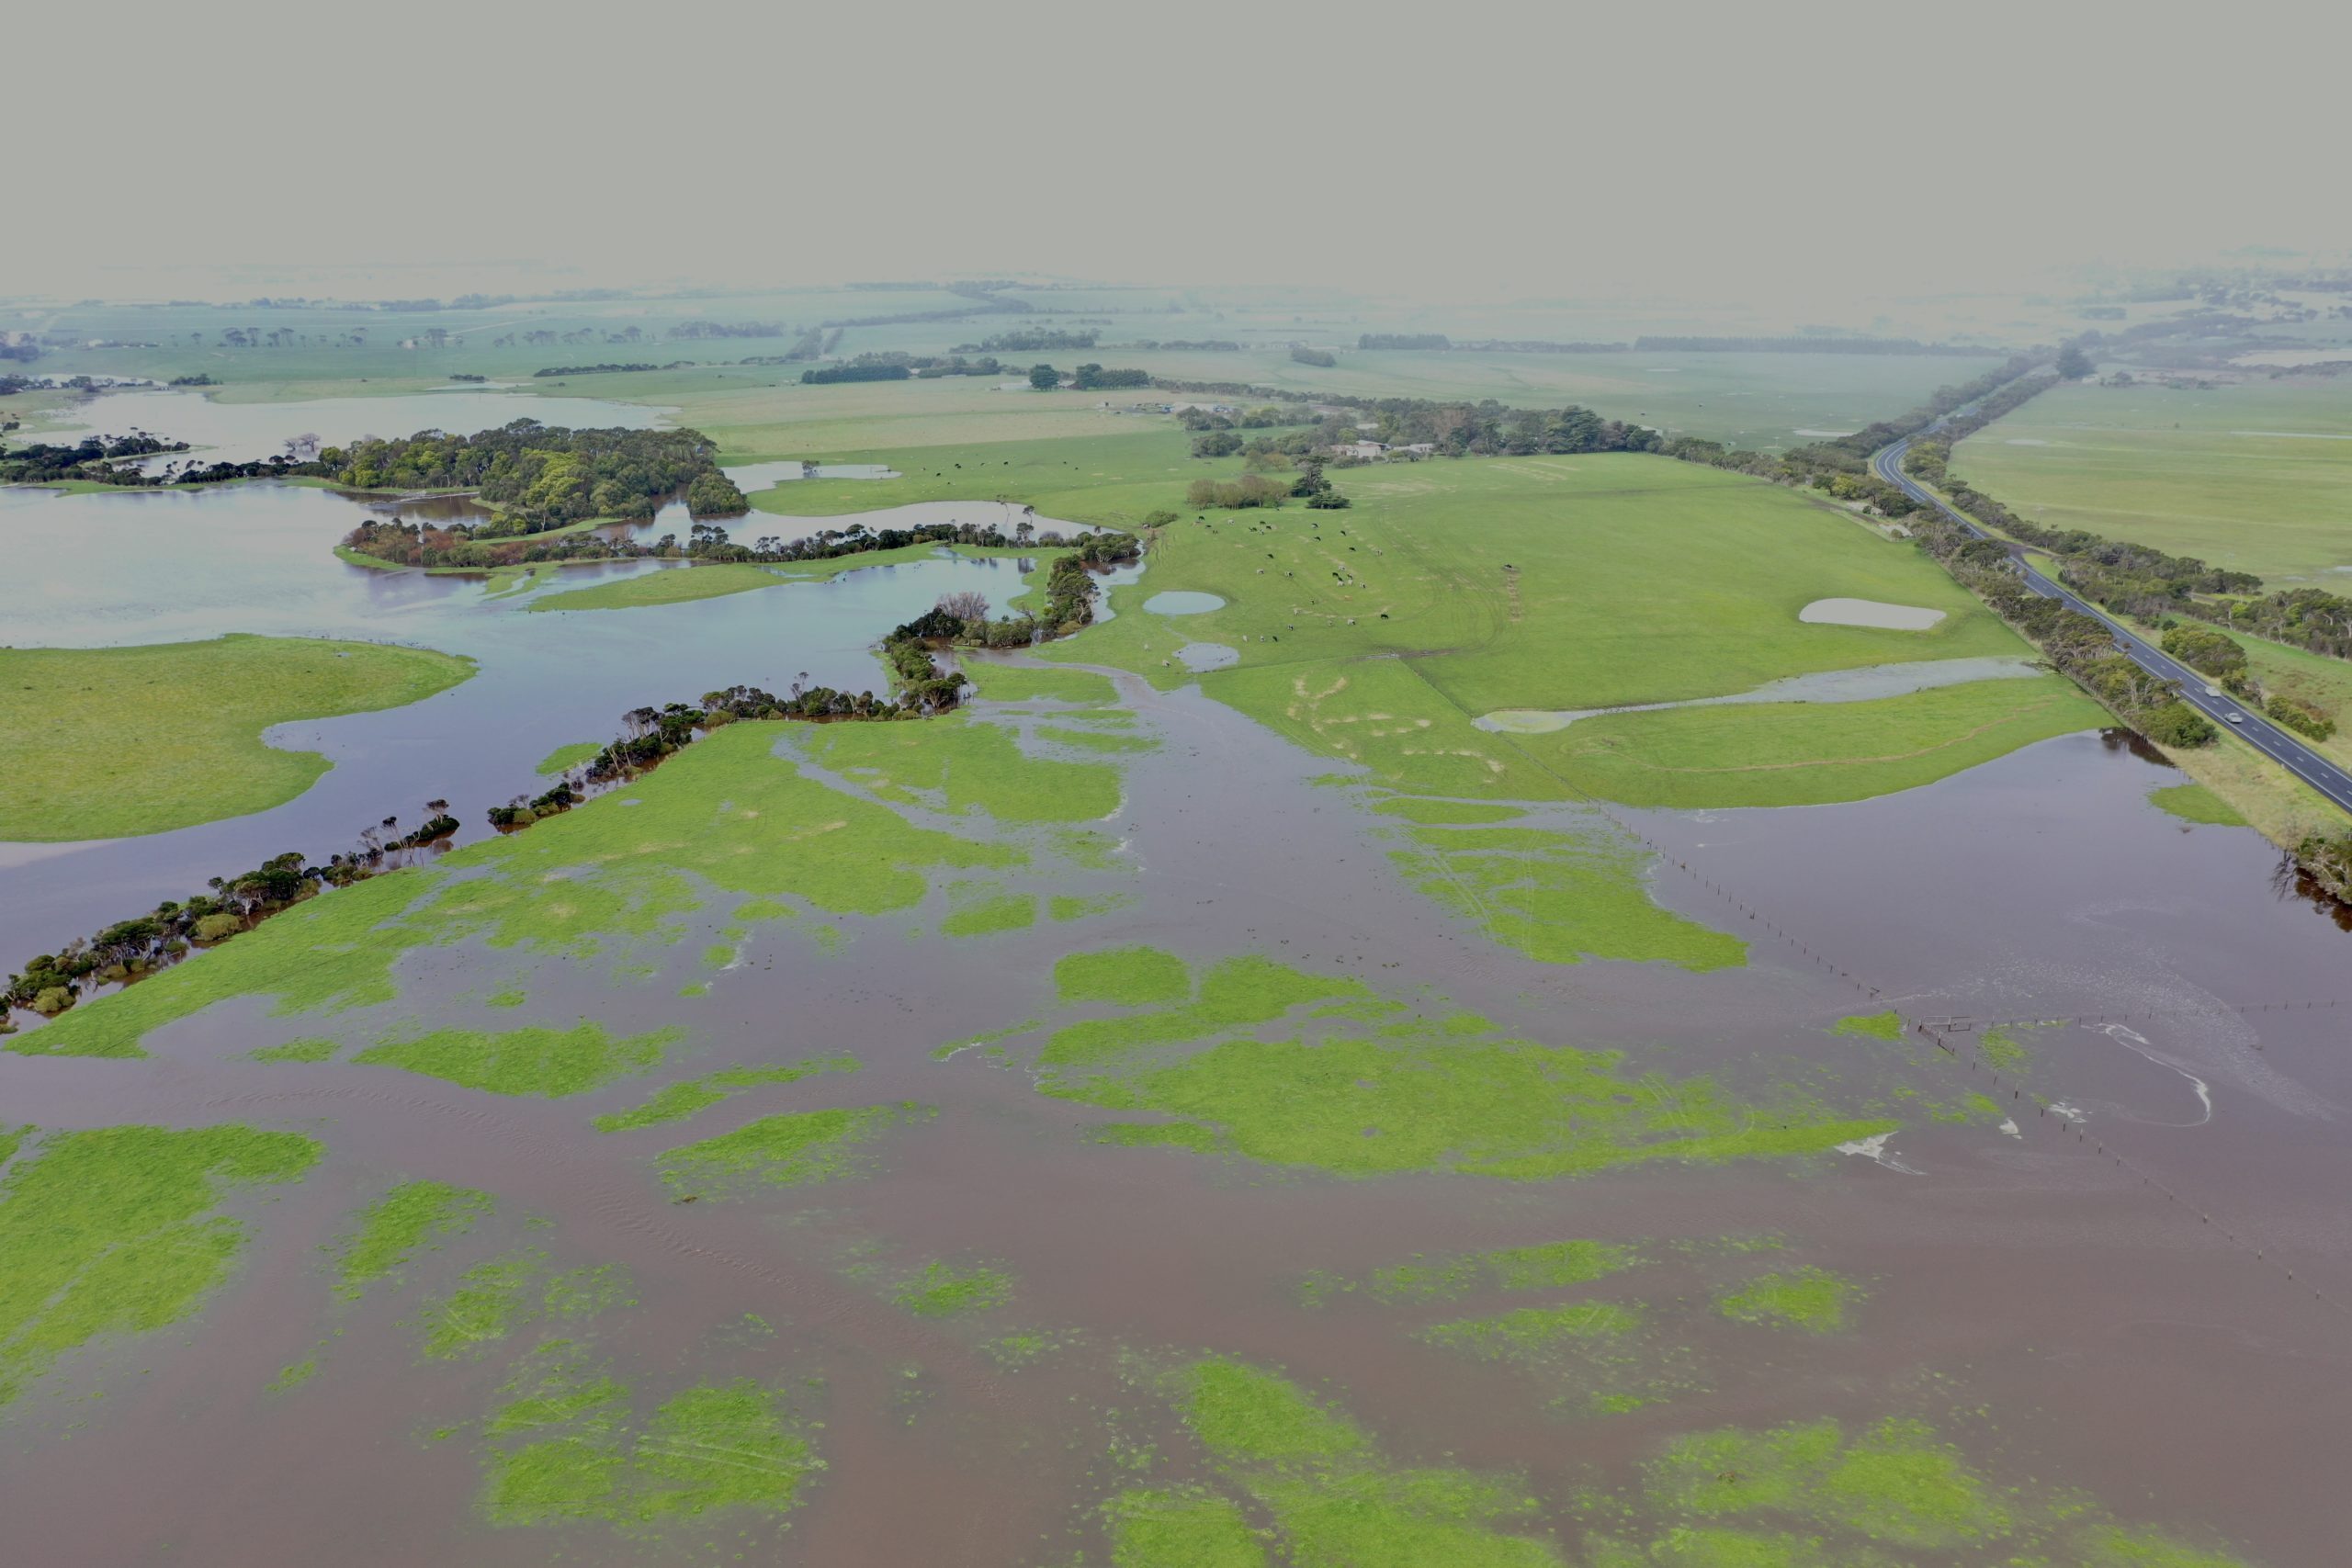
x=1802 y=153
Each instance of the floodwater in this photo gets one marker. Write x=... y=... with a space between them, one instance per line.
x=1869 y=613
x=2142 y=1294
x=143 y=566
x=1868 y=683
x=2117 y=1341
x=1183 y=602
x=1200 y=656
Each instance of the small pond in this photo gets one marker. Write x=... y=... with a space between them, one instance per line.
x=1183 y=602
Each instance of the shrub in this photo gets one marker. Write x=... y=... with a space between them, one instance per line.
x=2205 y=650
x=2177 y=724
x=2300 y=716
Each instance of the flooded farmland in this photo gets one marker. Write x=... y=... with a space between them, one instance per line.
x=1080 y=1113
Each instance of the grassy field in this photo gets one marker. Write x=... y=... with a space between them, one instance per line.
x=673 y=585
x=1804 y=754
x=2255 y=477
x=1455 y=588
x=109 y=742
x=1551 y=582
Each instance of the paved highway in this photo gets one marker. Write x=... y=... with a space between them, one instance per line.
x=2278 y=744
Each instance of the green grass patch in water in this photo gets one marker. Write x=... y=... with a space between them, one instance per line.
x=1126 y=976
x=2195 y=803
x=942 y=1289
x=413 y=1216
x=546 y=1064
x=1813 y=1299
x=988 y=914
x=1335 y=1503
x=1532 y=1330
x=1560 y=898
x=567 y=1446
x=115 y=1230
x=492 y=1300
x=563 y=758
x=112 y=742
x=725 y=814
x=677 y=1102
x=794 y=1149
x=1180 y=1528
x=294 y=1376
x=959 y=763
x=1872 y=1026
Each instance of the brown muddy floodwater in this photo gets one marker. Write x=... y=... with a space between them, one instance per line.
x=2087 y=1310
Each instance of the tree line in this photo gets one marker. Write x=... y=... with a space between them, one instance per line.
x=2077 y=644
x=541 y=477
x=86 y=458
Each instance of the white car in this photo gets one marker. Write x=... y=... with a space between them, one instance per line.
x=2237 y=718
x=2213 y=691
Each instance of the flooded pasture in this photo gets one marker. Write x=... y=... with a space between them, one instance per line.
x=99 y=571
x=864 y=1144
x=2055 y=1315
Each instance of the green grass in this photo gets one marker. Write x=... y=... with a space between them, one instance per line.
x=2191 y=472
x=1532 y=1330
x=1014 y=684
x=794 y=1149
x=1128 y=976
x=992 y=915
x=112 y=742
x=1559 y=897
x=943 y=1290
x=1334 y=1500
x=1885 y=1025
x=677 y=1102
x=1811 y=753
x=566 y=1448
x=116 y=1230
x=1155 y=1529
x=1545 y=583
x=1379 y=1090
x=563 y=758
x=413 y=1216
x=547 y=1064
x=1813 y=1300
x=494 y=1300
x=671 y=585
x=2195 y=803
x=960 y=763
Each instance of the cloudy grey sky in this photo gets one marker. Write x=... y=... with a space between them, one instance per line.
x=1810 y=151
